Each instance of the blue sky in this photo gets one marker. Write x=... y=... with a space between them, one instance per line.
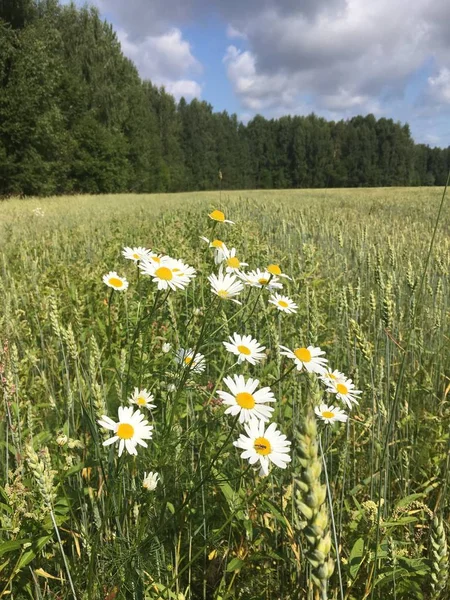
x=337 y=58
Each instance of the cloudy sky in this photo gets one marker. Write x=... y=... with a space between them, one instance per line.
x=337 y=58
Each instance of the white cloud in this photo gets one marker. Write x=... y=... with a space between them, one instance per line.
x=186 y=88
x=165 y=59
x=336 y=57
x=439 y=87
x=344 y=56
x=233 y=33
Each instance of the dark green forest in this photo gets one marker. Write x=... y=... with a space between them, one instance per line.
x=76 y=117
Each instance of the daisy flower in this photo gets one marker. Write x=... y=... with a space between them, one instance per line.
x=245 y=348
x=217 y=215
x=166 y=347
x=345 y=391
x=182 y=269
x=186 y=357
x=219 y=249
x=330 y=414
x=154 y=258
x=142 y=398
x=261 y=279
x=328 y=377
x=168 y=273
x=150 y=481
x=283 y=303
x=309 y=358
x=131 y=429
x=231 y=260
x=225 y=286
x=264 y=445
x=275 y=270
x=136 y=254
x=116 y=282
x=245 y=401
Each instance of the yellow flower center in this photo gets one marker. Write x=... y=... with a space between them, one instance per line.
x=156 y=259
x=330 y=375
x=233 y=262
x=244 y=350
x=125 y=431
x=245 y=400
x=222 y=293
x=274 y=269
x=216 y=244
x=188 y=360
x=141 y=401
x=262 y=446
x=282 y=303
x=303 y=354
x=327 y=414
x=164 y=273
x=116 y=282
x=263 y=281
x=342 y=389
x=217 y=215
x=136 y=256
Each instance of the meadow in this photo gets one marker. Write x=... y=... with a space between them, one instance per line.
x=353 y=503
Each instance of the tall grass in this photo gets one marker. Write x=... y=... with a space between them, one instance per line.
x=73 y=513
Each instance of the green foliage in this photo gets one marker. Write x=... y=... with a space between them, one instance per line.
x=75 y=117
x=212 y=528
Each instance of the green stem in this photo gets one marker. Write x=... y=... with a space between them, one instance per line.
x=333 y=524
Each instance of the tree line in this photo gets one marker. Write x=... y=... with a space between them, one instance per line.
x=75 y=117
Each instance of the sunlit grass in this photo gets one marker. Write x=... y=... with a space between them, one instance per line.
x=73 y=350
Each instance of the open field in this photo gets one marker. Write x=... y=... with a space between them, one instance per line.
x=73 y=350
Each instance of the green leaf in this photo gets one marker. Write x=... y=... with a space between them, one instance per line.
x=408 y=499
x=235 y=565
x=11 y=546
x=28 y=556
x=356 y=557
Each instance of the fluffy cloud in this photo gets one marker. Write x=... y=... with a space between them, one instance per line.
x=343 y=55
x=439 y=87
x=337 y=57
x=166 y=59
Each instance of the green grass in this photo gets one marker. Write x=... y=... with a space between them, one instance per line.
x=214 y=529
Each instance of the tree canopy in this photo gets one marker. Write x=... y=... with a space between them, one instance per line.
x=76 y=117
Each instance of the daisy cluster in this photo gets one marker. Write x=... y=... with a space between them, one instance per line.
x=251 y=405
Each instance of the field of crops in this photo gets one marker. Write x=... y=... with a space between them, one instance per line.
x=333 y=494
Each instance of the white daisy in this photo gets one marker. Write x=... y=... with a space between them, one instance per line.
x=116 y=282
x=168 y=273
x=308 y=358
x=166 y=347
x=186 y=357
x=132 y=429
x=142 y=398
x=245 y=348
x=245 y=401
x=182 y=269
x=330 y=414
x=219 y=249
x=283 y=303
x=264 y=445
x=225 y=286
x=275 y=270
x=232 y=262
x=345 y=391
x=154 y=258
x=328 y=377
x=150 y=481
x=136 y=254
x=217 y=215
x=261 y=279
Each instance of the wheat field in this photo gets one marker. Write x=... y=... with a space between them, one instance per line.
x=349 y=509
